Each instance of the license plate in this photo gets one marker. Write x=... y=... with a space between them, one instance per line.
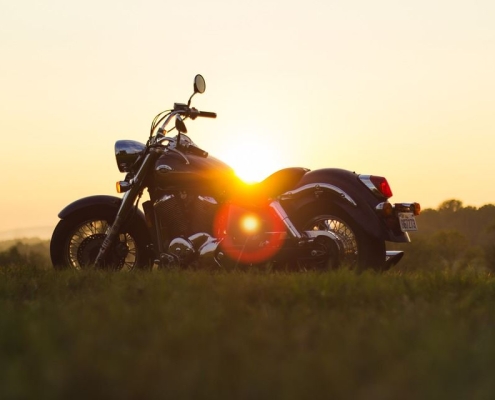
x=407 y=222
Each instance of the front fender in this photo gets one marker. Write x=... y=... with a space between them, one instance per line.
x=342 y=189
x=111 y=202
x=102 y=201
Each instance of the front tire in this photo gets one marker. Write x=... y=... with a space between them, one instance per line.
x=360 y=250
x=76 y=241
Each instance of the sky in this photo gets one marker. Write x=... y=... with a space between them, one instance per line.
x=400 y=89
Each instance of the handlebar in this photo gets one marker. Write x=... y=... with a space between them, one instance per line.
x=196 y=151
x=179 y=109
x=207 y=114
x=193 y=113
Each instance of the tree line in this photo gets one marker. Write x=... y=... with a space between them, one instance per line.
x=28 y=253
x=452 y=236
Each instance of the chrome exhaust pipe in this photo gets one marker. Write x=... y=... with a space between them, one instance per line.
x=392 y=258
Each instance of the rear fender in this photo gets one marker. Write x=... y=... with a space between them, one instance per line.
x=342 y=189
x=102 y=201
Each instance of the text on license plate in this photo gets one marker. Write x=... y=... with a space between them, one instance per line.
x=407 y=222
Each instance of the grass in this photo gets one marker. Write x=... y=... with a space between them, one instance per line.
x=239 y=335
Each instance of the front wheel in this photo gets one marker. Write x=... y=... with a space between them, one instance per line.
x=77 y=239
x=359 y=250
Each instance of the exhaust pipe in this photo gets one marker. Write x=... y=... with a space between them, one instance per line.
x=392 y=258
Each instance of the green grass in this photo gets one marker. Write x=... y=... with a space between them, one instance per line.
x=216 y=335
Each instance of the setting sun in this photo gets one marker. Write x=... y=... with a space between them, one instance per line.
x=251 y=161
x=392 y=88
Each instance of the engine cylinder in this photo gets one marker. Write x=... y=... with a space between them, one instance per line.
x=203 y=214
x=184 y=215
x=171 y=216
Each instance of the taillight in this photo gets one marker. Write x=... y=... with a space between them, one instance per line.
x=377 y=184
x=382 y=185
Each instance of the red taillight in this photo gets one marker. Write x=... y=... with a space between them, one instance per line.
x=382 y=185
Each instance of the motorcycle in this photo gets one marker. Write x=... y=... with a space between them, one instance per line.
x=199 y=213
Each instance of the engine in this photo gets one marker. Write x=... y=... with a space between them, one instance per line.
x=185 y=222
x=183 y=214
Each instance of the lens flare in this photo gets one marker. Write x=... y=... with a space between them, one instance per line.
x=249 y=237
x=250 y=223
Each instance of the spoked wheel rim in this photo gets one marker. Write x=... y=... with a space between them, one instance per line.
x=86 y=239
x=344 y=233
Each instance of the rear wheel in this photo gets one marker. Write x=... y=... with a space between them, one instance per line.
x=358 y=250
x=77 y=239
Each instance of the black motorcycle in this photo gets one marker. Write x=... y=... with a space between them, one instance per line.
x=200 y=214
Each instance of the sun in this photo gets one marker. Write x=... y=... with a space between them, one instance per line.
x=251 y=161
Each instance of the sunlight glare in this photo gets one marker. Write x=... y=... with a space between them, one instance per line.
x=250 y=223
x=251 y=159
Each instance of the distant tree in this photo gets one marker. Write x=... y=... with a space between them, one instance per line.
x=10 y=257
x=489 y=247
x=21 y=254
x=451 y=246
x=420 y=254
x=451 y=205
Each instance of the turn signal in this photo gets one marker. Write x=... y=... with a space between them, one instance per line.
x=385 y=208
x=122 y=186
x=416 y=208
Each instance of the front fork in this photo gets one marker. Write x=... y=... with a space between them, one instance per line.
x=127 y=204
x=113 y=231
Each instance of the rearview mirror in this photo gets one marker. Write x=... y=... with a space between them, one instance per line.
x=199 y=84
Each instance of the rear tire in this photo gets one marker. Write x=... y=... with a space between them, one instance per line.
x=361 y=251
x=76 y=241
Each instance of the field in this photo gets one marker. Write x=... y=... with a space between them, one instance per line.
x=246 y=335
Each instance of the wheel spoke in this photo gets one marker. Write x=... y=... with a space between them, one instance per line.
x=342 y=230
x=86 y=239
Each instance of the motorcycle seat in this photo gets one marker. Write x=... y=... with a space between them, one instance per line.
x=274 y=185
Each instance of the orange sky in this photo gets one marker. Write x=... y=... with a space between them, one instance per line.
x=400 y=89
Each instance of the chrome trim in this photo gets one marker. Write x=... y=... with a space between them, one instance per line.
x=317 y=189
x=164 y=169
x=164 y=198
x=392 y=258
x=329 y=234
x=181 y=248
x=208 y=199
x=127 y=152
x=366 y=179
x=279 y=210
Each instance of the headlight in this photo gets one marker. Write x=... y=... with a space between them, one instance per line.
x=126 y=153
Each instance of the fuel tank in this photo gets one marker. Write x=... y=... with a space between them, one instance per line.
x=208 y=174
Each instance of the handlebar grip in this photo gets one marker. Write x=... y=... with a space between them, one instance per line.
x=207 y=114
x=197 y=151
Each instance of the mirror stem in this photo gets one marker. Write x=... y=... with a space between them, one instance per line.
x=190 y=98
